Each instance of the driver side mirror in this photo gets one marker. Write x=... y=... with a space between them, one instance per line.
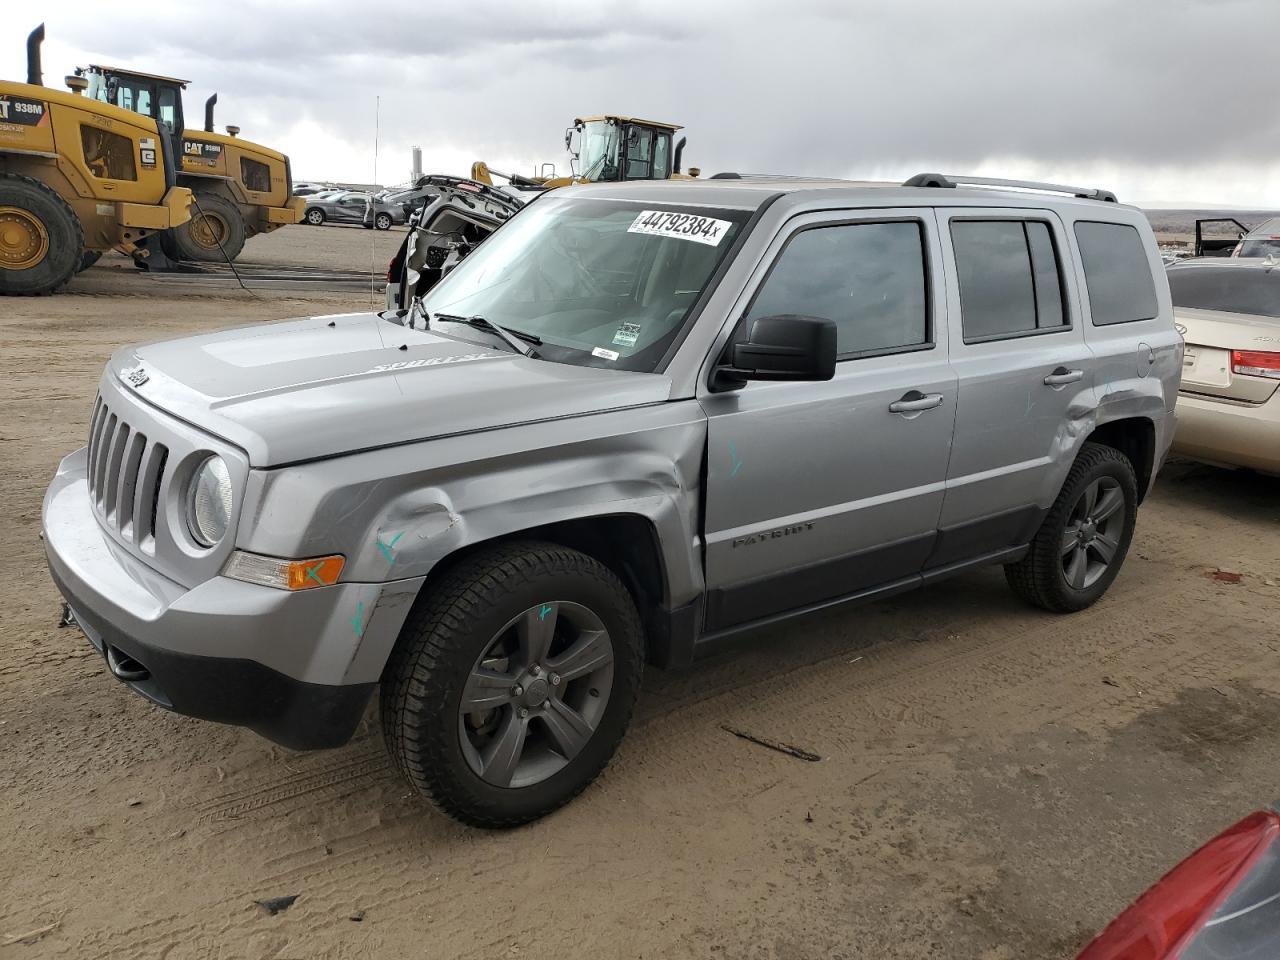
x=785 y=347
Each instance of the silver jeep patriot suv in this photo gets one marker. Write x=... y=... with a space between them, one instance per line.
x=637 y=421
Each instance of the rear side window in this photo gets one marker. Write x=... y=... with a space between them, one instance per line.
x=869 y=278
x=257 y=176
x=1116 y=272
x=109 y=156
x=1010 y=279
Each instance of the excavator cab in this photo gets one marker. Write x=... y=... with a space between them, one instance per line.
x=611 y=149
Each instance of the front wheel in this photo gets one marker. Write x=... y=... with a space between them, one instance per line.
x=513 y=682
x=383 y=221
x=315 y=217
x=1084 y=538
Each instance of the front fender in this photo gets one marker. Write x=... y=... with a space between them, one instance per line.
x=397 y=513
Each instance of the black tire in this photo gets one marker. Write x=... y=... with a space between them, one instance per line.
x=88 y=259
x=452 y=626
x=48 y=260
x=215 y=232
x=382 y=221
x=1044 y=576
x=314 y=216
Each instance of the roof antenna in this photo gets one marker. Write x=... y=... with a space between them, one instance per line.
x=372 y=211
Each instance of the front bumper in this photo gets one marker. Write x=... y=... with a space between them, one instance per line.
x=1229 y=434
x=298 y=668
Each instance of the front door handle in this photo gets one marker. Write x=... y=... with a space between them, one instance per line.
x=913 y=401
x=1062 y=376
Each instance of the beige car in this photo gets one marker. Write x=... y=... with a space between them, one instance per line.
x=1228 y=311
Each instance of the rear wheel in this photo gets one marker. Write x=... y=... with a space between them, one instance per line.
x=1084 y=538
x=512 y=683
x=214 y=234
x=41 y=240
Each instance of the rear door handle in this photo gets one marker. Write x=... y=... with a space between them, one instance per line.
x=913 y=401
x=1062 y=376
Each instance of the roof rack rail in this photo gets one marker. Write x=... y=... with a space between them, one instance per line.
x=950 y=180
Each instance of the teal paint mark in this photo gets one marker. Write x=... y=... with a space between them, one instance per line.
x=311 y=572
x=542 y=614
x=737 y=464
x=357 y=622
x=386 y=547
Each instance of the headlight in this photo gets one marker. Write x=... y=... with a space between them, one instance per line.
x=209 y=502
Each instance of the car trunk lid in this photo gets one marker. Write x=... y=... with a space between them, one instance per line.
x=1211 y=336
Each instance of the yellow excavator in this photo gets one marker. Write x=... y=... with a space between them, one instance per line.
x=607 y=149
x=77 y=177
x=241 y=188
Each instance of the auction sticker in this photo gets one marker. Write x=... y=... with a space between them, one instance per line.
x=604 y=354
x=682 y=226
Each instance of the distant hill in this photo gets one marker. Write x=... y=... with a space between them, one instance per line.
x=1183 y=222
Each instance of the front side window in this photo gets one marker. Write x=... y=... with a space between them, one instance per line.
x=109 y=156
x=662 y=157
x=1117 y=273
x=869 y=278
x=601 y=283
x=135 y=96
x=1010 y=280
x=169 y=108
x=639 y=153
x=256 y=176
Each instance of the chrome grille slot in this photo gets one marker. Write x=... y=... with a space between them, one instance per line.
x=126 y=471
x=149 y=495
x=129 y=483
x=104 y=450
x=111 y=480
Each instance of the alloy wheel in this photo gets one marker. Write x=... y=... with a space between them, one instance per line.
x=536 y=694
x=1092 y=534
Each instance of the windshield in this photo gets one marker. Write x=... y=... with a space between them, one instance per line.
x=601 y=283
x=1248 y=290
x=598 y=151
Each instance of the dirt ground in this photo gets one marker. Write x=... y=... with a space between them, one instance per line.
x=994 y=782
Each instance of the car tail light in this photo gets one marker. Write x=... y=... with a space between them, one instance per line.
x=1222 y=901
x=391 y=266
x=1256 y=363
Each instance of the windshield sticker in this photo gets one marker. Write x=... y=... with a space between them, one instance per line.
x=682 y=226
x=627 y=335
x=604 y=354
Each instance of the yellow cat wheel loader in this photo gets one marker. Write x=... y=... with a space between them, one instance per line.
x=77 y=177
x=607 y=149
x=241 y=188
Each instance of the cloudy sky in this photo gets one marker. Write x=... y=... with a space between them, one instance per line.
x=1169 y=101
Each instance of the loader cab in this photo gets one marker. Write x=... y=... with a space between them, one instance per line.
x=152 y=96
x=612 y=149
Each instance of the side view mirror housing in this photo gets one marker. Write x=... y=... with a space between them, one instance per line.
x=785 y=347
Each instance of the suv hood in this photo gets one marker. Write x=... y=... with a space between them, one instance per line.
x=323 y=386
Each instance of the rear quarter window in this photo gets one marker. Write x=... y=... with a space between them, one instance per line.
x=1117 y=273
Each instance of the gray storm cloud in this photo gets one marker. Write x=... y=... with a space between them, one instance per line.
x=808 y=87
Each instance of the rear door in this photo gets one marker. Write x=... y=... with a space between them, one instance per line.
x=1024 y=371
x=819 y=491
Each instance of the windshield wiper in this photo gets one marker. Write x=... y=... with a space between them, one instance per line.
x=519 y=341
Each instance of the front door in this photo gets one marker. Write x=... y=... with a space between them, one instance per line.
x=823 y=491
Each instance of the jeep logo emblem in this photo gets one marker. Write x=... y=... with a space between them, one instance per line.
x=135 y=376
